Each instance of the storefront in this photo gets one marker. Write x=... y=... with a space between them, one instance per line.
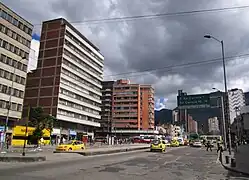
x=55 y=136
x=72 y=134
x=1 y=134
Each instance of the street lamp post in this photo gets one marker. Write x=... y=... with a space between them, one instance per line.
x=9 y=103
x=223 y=119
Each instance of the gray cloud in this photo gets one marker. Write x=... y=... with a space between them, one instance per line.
x=155 y=43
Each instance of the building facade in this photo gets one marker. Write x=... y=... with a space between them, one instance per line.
x=15 y=39
x=132 y=106
x=213 y=125
x=192 y=125
x=106 y=108
x=68 y=80
x=236 y=101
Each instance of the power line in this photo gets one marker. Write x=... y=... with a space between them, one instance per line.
x=138 y=73
x=153 y=16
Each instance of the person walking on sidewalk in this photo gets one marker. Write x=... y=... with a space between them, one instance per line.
x=209 y=146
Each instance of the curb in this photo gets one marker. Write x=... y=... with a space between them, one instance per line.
x=234 y=170
x=104 y=152
x=22 y=159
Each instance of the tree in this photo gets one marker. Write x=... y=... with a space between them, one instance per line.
x=41 y=121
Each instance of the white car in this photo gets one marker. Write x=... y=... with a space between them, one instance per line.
x=197 y=144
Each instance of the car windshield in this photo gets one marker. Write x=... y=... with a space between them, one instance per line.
x=69 y=142
x=156 y=142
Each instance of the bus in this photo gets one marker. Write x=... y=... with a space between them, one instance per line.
x=212 y=138
x=18 y=135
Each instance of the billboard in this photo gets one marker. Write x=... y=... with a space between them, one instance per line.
x=193 y=101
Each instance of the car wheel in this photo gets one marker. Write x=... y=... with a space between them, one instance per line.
x=70 y=149
x=82 y=148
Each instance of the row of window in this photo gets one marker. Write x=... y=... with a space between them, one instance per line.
x=13 y=106
x=124 y=103
x=125 y=93
x=126 y=88
x=14 y=35
x=66 y=62
x=8 y=60
x=78 y=97
x=75 y=115
x=15 y=22
x=75 y=58
x=83 y=46
x=10 y=47
x=124 y=108
x=11 y=91
x=79 y=88
x=125 y=113
x=125 y=98
x=82 y=54
x=13 y=77
x=77 y=106
x=81 y=80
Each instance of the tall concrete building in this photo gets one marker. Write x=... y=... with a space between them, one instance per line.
x=133 y=106
x=213 y=125
x=106 y=108
x=192 y=125
x=236 y=101
x=15 y=38
x=68 y=80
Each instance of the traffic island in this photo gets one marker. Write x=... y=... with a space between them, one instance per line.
x=22 y=158
x=108 y=150
x=17 y=157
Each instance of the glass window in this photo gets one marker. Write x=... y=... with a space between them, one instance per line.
x=6 y=75
x=21 y=95
x=4 y=44
x=9 y=32
x=26 y=29
x=9 y=18
x=13 y=106
x=14 y=35
x=14 y=63
x=18 y=79
x=19 y=107
x=11 y=47
x=4 y=89
x=2 y=104
x=16 y=50
x=1 y=73
x=20 y=25
x=30 y=31
x=9 y=61
x=19 y=65
x=22 y=80
x=24 y=68
x=3 y=58
x=1 y=42
x=15 y=21
x=4 y=15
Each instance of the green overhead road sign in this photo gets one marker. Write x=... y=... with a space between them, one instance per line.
x=193 y=101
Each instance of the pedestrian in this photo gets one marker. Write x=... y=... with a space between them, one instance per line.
x=209 y=146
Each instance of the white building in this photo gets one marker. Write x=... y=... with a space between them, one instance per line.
x=213 y=124
x=15 y=39
x=236 y=100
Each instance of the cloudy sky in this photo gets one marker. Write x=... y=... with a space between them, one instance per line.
x=133 y=48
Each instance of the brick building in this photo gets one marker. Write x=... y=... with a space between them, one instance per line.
x=132 y=106
x=67 y=81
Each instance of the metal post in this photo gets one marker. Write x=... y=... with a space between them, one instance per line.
x=26 y=130
x=226 y=98
x=223 y=123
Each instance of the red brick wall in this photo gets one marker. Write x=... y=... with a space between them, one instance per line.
x=43 y=84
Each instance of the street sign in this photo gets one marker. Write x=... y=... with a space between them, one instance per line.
x=193 y=101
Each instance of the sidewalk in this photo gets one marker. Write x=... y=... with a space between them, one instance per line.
x=242 y=160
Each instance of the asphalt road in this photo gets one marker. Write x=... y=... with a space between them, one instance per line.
x=176 y=164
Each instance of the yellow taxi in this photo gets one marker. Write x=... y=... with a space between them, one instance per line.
x=158 y=145
x=71 y=146
x=174 y=143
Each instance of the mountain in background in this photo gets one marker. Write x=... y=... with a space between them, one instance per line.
x=163 y=116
